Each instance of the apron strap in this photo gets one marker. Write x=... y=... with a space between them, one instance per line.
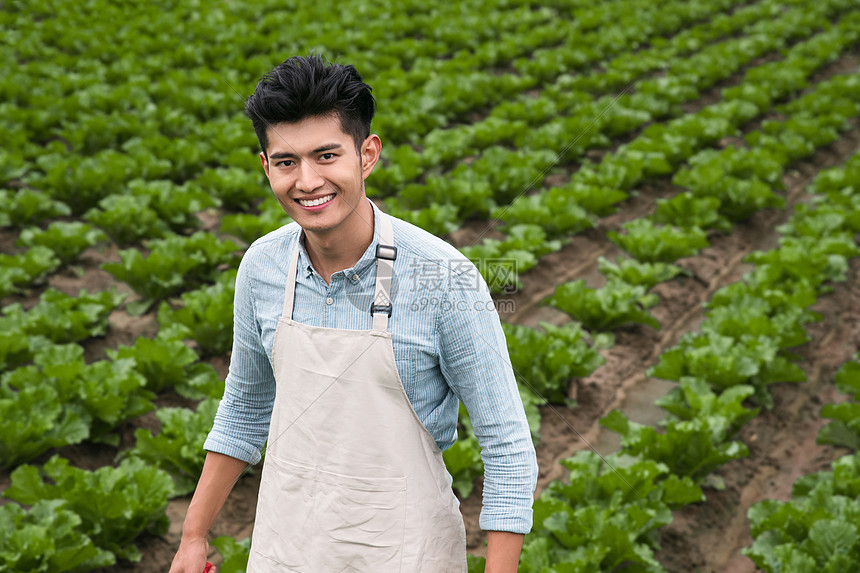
x=381 y=306
x=290 y=289
x=386 y=253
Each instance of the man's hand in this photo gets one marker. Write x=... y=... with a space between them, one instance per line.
x=191 y=556
x=219 y=474
x=503 y=551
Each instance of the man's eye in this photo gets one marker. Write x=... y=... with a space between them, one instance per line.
x=327 y=156
x=284 y=162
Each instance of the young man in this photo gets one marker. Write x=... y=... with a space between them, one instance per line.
x=356 y=336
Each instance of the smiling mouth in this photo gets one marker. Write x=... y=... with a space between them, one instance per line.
x=315 y=202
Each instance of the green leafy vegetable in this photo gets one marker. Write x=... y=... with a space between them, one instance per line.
x=63 y=318
x=235 y=553
x=17 y=271
x=815 y=531
x=653 y=244
x=437 y=218
x=848 y=379
x=67 y=240
x=82 y=181
x=127 y=219
x=463 y=462
x=167 y=362
x=750 y=315
x=47 y=538
x=694 y=399
x=687 y=210
x=174 y=264
x=844 y=430
x=178 y=447
x=109 y=392
x=693 y=448
x=16 y=348
x=500 y=262
x=532 y=209
x=115 y=504
x=34 y=419
x=237 y=189
x=724 y=362
x=633 y=272
x=175 y=205
x=600 y=518
x=608 y=307
x=206 y=315
x=463 y=459
x=742 y=180
x=808 y=258
x=249 y=227
x=545 y=361
x=28 y=207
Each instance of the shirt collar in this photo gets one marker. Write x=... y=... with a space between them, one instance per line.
x=363 y=264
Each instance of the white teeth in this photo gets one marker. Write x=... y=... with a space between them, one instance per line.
x=316 y=202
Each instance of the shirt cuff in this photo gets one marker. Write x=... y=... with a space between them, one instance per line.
x=232 y=447
x=514 y=520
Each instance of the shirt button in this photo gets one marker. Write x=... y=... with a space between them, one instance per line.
x=329 y=301
x=354 y=278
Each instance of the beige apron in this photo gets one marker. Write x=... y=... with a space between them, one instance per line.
x=352 y=481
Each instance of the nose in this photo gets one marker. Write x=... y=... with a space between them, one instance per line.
x=307 y=178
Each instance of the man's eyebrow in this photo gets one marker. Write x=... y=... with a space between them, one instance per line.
x=328 y=147
x=321 y=149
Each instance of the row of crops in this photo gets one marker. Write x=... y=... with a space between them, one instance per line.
x=601 y=519
x=128 y=161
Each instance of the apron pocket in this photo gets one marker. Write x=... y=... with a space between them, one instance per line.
x=313 y=520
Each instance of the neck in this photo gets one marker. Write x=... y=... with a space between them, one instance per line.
x=339 y=249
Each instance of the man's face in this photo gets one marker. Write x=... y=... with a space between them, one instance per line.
x=317 y=174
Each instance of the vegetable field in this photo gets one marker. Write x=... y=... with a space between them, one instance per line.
x=663 y=195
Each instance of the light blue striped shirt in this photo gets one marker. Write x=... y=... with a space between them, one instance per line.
x=448 y=345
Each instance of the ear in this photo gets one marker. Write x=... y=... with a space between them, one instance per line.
x=265 y=163
x=371 y=150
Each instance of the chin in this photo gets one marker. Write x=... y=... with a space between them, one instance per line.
x=317 y=225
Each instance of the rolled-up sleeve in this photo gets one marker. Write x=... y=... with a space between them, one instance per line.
x=474 y=359
x=242 y=421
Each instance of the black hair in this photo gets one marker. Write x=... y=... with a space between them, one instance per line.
x=304 y=87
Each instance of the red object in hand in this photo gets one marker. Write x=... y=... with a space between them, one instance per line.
x=209 y=568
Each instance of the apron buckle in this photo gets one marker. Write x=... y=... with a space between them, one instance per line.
x=388 y=252
x=374 y=308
